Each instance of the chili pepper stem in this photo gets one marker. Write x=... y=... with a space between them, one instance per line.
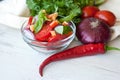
x=107 y=48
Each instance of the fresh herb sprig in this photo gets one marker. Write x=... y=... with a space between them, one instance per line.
x=69 y=9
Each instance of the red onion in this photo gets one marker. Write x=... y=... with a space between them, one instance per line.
x=92 y=30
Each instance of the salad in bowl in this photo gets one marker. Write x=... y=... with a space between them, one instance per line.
x=46 y=34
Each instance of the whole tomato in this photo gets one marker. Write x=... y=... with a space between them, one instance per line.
x=106 y=16
x=89 y=11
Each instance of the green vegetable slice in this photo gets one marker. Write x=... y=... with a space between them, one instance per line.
x=59 y=29
x=63 y=29
x=41 y=19
x=67 y=29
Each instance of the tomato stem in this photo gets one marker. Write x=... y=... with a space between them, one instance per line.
x=111 y=48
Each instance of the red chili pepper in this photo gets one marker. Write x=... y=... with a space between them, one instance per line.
x=78 y=51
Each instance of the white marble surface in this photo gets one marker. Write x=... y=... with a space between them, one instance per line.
x=20 y=62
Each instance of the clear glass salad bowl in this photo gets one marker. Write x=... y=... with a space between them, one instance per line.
x=45 y=47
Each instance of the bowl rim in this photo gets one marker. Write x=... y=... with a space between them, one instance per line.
x=23 y=33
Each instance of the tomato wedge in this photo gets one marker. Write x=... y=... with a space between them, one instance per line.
x=52 y=42
x=44 y=33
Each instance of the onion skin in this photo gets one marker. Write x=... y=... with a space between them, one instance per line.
x=93 y=30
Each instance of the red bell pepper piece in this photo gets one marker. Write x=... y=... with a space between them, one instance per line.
x=29 y=22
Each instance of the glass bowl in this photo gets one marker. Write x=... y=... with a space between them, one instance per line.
x=45 y=47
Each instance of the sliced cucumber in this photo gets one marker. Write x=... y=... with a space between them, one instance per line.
x=63 y=29
x=59 y=29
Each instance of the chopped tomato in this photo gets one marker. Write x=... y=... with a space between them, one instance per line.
x=52 y=42
x=57 y=37
x=44 y=33
x=29 y=22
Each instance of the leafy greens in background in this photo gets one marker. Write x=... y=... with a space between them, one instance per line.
x=70 y=9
